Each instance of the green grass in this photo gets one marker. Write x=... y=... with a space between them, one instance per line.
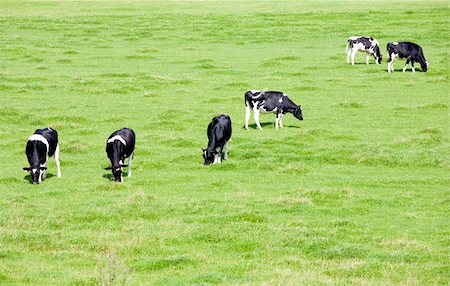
x=356 y=194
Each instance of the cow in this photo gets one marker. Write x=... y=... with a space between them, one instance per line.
x=363 y=44
x=120 y=145
x=270 y=102
x=219 y=133
x=406 y=50
x=40 y=146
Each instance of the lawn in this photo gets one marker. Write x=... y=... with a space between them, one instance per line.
x=356 y=194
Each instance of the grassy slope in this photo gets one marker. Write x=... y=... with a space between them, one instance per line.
x=355 y=194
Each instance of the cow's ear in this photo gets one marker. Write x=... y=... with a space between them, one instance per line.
x=203 y=150
x=123 y=166
x=43 y=168
x=108 y=168
x=26 y=168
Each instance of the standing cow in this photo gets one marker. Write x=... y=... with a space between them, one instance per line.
x=406 y=50
x=120 y=145
x=219 y=133
x=270 y=102
x=40 y=146
x=363 y=44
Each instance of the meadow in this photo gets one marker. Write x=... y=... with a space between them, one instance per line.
x=356 y=194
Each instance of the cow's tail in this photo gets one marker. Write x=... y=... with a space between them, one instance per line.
x=246 y=95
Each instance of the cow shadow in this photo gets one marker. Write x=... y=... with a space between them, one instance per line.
x=263 y=124
x=253 y=126
x=109 y=176
x=407 y=70
x=28 y=177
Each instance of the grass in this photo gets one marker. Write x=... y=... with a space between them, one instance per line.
x=357 y=193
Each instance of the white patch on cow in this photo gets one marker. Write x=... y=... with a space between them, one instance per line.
x=34 y=171
x=117 y=137
x=39 y=137
x=395 y=43
x=280 y=100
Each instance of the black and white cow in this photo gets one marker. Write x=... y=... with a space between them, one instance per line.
x=219 y=133
x=40 y=146
x=270 y=102
x=363 y=44
x=120 y=145
x=406 y=50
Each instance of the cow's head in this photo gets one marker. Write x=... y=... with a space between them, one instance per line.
x=298 y=113
x=424 y=66
x=36 y=173
x=208 y=156
x=116 y=170
x=377 y=54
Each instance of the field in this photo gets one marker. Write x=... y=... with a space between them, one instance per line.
x=356 y=194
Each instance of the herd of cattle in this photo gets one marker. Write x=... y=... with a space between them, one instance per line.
x=120 y=144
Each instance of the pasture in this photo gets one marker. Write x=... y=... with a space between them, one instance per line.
x=356 y=194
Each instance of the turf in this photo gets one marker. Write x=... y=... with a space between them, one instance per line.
x=356 y=194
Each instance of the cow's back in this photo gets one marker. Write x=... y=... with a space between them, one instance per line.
x=51 y=136
x=130 y=138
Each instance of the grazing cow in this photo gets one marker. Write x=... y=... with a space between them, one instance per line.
x=40 y=146
x=270 y=102
x=406 y=50
x=219 y=133
x=120 y=145
x=363 y=44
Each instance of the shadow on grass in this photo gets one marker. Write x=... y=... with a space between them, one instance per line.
x=28 y=177
x=263 y=124
x=109 y=176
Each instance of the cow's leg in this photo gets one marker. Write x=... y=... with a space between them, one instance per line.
x=277 y=118
x=367 y=58
x=57 y=161
x=217 y=158
x=406 y=65
x=256 y=116
x=43 y=173
x=412 y=66
x=130 y=160
x=390 y=64
x=353 y=56
x=280 y=120
x=225 y=151
x=349 y=53
x=247 y=114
